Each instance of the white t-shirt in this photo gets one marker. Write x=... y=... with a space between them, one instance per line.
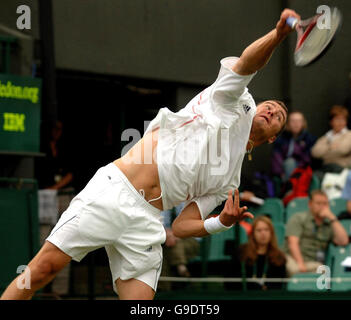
x=201 y=147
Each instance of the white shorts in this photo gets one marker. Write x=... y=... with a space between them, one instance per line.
x=109 y=212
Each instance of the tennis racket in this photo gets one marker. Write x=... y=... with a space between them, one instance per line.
x=313 y=41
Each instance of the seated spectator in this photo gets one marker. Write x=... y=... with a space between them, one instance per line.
x=347 y=213
x=334 y=148
x=292 y=149
x=309 y=233
x=176 y=252
x=259 y=258
x=53 y=171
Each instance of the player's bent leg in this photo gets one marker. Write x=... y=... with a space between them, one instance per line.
x=43 y=269
x=134 y=289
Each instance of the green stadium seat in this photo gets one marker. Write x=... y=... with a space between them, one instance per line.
x=341 y=277
x=337 y=205
x=315 y=184
x=218 y=242
x=347 y=225
x=296 y=205
x=272 y=207
x=300 y=282
x=331 y=252
x=279 y=229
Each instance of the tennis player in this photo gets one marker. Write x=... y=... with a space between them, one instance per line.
x=194 y=155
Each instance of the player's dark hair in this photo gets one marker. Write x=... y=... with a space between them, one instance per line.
x=282 y=104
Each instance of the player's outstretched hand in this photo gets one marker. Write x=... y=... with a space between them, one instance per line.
x=232 y=212
x=282 y=28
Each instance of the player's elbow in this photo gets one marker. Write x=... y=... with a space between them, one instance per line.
x=182 y=229
x=178 y=230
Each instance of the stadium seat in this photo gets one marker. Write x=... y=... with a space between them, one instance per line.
x=218 y=242
x=315 y=184
x=279 y=229
x=347 y=225
x=337 y=205
x=338 y=272
x=296 y=205
x=217 y=248
x=272 y=207
x=300 y=282
x=331 y=251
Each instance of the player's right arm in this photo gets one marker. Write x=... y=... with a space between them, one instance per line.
x=189 y=222
x=257 y=55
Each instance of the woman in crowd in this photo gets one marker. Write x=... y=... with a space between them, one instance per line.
x=259 y=258
x=293 y=148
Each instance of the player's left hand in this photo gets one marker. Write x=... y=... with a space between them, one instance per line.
x=232 y=212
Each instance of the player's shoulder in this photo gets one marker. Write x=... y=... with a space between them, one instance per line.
x=246 y=105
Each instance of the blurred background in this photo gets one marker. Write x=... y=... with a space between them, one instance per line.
x=105 y=66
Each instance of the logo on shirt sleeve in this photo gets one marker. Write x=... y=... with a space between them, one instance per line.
x=246 y=108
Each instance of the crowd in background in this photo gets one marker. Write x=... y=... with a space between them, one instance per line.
x=297 y=156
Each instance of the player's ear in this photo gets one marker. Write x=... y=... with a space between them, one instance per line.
x=271 y=139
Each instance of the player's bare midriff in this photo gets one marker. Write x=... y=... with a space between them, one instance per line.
x=139 y=165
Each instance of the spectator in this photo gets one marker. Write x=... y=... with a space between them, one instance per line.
x=309 y=233
x=334 y=148
x=53 y=170
x=177 y=252
x=293 y=148
x=259 y=258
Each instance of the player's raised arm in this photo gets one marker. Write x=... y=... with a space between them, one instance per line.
x=257 y=54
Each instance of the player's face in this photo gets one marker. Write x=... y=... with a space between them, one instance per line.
x=270 y=118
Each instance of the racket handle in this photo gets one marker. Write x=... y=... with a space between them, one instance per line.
x=292 y=22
